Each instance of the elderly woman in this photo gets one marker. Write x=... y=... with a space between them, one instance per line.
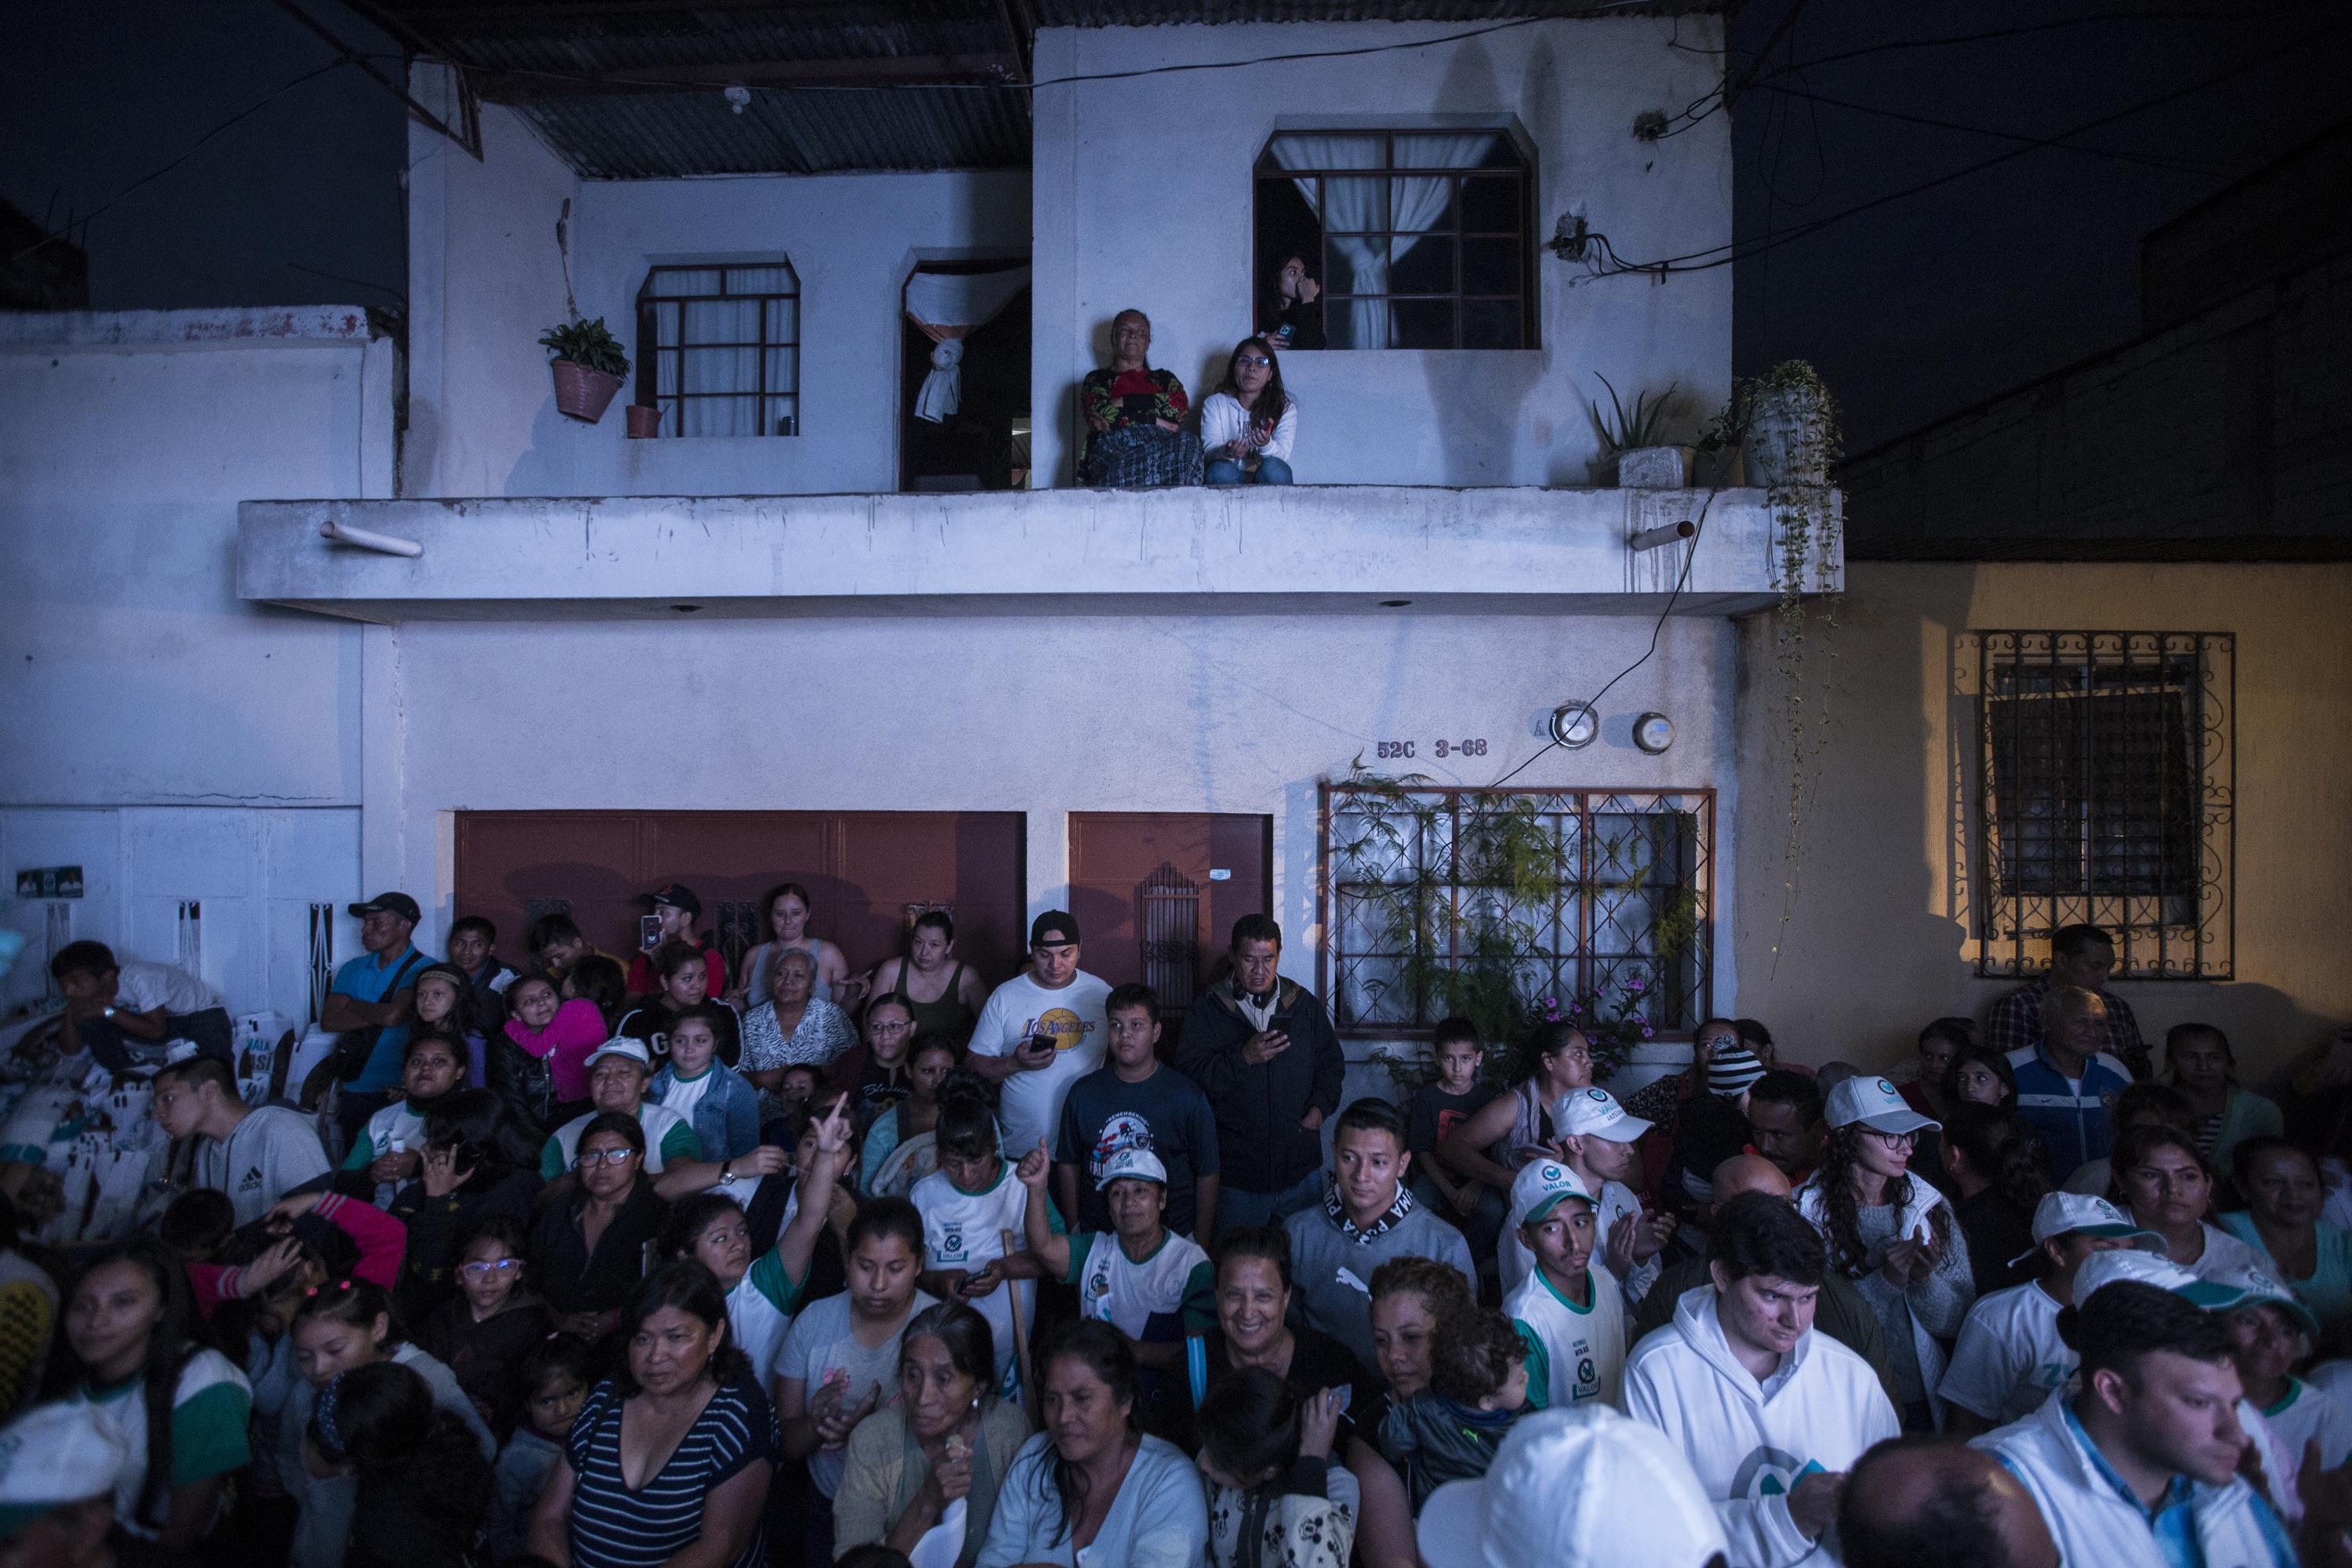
x=796 y=1028
x=2282 y=1183
x=1091 y=1486
x=669 y=1459
x=948 y=1437
x=1249 y=422
x=1135 y=416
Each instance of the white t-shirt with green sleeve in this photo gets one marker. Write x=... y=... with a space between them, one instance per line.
x=668 y=1137
x=210 y=1409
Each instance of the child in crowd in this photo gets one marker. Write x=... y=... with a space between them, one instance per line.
x=2010 y=1357
x=2271 y=1334
x=717 y=1100
x=969 y=1206
x=388 y=1150
x=339 y=1328
x=195 y=1223
x=1434 y=1111
x=914 y=1120
x=553 y=1379
x=600 y=982
x=1275 y=1494
x=421 y=1487
x=495 y=1317
x=798 y=1088
x=1570 y=1310
x=1477 y=1392
x=1712 y=1125
x=539 y=1063
x=1154 y=1287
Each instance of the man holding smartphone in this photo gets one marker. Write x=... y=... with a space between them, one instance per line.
x=1041 y=1032
x=1262 y=1049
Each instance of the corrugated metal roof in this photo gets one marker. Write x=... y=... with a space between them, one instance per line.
x=614 y=85
x=644 y=136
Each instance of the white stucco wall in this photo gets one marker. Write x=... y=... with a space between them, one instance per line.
x=1876 y=946
x=1143 y=198
x=487 y=280
x=174 y=740
x=1041 y=715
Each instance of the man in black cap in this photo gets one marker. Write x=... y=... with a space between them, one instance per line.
x=1262 y=1049
x=1041 y=1032
x=374 y=993
x=677 y=907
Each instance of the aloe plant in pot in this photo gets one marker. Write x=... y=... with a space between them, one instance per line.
x=1645 y=459
x=589 y=367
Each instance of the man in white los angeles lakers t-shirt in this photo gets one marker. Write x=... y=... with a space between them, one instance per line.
x=1041 y=1032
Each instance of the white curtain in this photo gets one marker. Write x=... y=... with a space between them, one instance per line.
x=948 y=307
x=741 y=325
x=1408 y=205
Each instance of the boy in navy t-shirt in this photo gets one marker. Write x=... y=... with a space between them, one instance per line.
x=1434 y=1111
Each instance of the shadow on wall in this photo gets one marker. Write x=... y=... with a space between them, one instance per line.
x=542 y=470
x=1478 y=396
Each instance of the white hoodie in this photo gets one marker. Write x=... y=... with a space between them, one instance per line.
x=1826 y=1408
x=2097 y=1525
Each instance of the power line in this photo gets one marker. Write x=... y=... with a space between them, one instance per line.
x=184 y=154
x=2151 y=160
x=1701 y=260
x=2093 y=20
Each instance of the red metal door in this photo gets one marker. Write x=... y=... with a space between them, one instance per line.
x=868 y=873
x=1156 y=893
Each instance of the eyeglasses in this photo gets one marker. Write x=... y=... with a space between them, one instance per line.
x=1895 y=1140
x=886 y=1027
x=484 y=1270
x=590 y=1158
x=1258 y=360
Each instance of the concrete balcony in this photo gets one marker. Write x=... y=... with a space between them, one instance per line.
x=1181 y=552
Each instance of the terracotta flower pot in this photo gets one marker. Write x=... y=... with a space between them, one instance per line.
x=645 y=421
x=583 y=394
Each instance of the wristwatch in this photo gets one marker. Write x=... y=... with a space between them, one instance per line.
x=107 y=1011
x=726 y=1171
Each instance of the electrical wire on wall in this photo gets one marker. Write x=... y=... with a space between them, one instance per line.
x=1657 y=630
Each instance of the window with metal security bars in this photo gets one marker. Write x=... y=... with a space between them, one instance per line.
x=736 y=927
x=1419 y=239
x=1430 y=892
x=2105 y=785
x=719 y=349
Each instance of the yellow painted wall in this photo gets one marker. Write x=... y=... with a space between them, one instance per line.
x=1875 y=946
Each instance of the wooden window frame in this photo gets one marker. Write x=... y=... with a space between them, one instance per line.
x=650 y=346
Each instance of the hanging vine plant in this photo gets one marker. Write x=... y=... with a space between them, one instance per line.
x=1786 y=423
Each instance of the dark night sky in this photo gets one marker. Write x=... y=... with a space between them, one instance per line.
x=1912 y=311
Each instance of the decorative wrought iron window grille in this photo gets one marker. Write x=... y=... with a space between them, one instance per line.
x=2106 y=778
x=1169 y=916
x=1559 y=893
x=735 y=929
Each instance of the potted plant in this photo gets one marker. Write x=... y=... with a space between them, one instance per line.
x=1645 y=460
x=645 y=421
x=1785 y=422
x=589 y=367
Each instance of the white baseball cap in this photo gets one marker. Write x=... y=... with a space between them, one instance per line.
x=1538 y=1187
x=2235 y=1288
x=2082 y=1213
x=1139 y=1163
x=52 y=1455
x=1595 y=1113
x=1580 y=1487
x=1877 y=1105
x=621 y=1047
x=2104 y=1268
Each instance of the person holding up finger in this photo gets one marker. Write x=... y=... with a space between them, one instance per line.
x=1262 y=1049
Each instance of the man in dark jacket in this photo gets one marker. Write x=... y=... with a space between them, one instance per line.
x=1262 y=1048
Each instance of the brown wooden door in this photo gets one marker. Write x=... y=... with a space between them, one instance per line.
x=1156 y=894
x=869 y=874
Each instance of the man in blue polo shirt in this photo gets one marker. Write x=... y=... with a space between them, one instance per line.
x=2066 y=1082
x=373 y=991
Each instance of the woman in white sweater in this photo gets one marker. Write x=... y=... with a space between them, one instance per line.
x=1248 y=423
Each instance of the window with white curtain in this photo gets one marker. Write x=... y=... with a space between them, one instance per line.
x=1419 y=239
x=718 y=348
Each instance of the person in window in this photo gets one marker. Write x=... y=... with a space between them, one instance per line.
x=1248 y=423
x=1295 y=317
x=1135 y=416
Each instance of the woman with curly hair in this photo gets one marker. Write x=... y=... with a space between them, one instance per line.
x=1892 y=1233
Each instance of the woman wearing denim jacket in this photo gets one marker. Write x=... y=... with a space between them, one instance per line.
x=717 y=1100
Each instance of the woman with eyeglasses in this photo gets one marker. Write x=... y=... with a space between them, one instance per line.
x=1247 y=425
x=1892 y=1234
x=589 y=1247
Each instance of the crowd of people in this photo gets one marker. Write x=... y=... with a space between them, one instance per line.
x=603 y=1264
